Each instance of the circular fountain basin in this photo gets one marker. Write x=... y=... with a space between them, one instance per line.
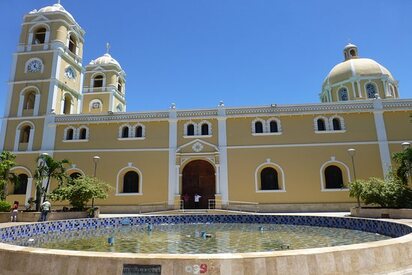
x=391 y=254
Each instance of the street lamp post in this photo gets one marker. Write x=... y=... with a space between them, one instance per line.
x=95 y=161
x=406 y=146
x=352 y=153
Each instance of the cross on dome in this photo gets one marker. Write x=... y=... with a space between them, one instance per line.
x=107 y=47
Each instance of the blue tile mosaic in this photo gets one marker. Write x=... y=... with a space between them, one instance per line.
x=391 y=229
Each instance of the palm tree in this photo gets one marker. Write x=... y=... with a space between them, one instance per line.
x=48 y=168
x=404 y=161
x=6 y=164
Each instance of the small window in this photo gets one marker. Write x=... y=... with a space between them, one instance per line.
x=98 y=81
x=67 y=104
x=370 y=90
x=336 y=124
x=119 y=108
x=343 y=94
x=205 y=129
x=139 y=132
x=273 y=125
x=125 y=132
x=39 y=36
x=333 y=177
x=29 y=100
x=25 y=134
x=258 y=127
x=69 y=134
x=190 y=130
x=75 y=175
x=83 y=133
x=21 y=185
x=72 y=44
x=131 y=182
x=352 y=52
x=321 y=125
x=120 y=86
x=269 y=179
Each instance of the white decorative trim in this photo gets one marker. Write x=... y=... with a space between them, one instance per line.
x=25 y=169
x=197 y=147
x=216 y=149
x=254 y=125
x=322 y=175
x=65 y=133
x=341 y=123
x=173 y=180
x=3 y=133
x=330 y=132
x=127 y=169
x=93 y=101
x=74 y=170
x=197 y=129
x=315 y=124
x=132 y=133
x=278 y=169
x=222 y=184
x=93 y=77
x=36 y=100
x=382 y=137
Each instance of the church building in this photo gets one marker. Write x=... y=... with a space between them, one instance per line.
x=295 y=157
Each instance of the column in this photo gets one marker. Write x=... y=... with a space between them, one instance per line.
x=223 y=173
x=381 y=135
x=28 y=189
x=173 y=183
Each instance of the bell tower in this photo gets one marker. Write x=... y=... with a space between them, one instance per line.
x=46 y=78
x=104 y=86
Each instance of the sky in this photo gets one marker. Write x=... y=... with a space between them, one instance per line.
x=195 y=53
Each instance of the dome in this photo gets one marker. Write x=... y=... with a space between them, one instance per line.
x=55 y=8
x=106 y=59
x=356 y=67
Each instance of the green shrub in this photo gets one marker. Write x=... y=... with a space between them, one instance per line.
x=5 y=206
x=387 y=193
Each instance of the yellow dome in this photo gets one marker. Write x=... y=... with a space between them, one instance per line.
x=105 y=59
x=356 y=67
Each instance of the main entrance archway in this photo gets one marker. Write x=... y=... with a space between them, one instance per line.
x=198 y=176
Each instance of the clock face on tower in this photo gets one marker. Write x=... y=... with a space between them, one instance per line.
x=34 y=66
x=70 y=73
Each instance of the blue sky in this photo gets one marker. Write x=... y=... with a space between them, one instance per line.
x=197 y=52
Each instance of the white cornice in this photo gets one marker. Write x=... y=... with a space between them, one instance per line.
x=276 y=110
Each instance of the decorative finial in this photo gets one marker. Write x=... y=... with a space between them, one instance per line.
x=107 y=47
x=58 y=2
x=221 y=104
x=173 y=106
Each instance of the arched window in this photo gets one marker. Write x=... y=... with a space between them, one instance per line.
x=343 y=94
x=98 y=81
x=120 y=86
x=321 y=124
x=371 y=90
x=83 y=133
x=131 y=182
x=69 y=134
x=72 y=44
x=258 y=127
x=125 y=132
x=269 y=179
x=139 y=132
x=21 y=185
x=25 y=134
x=29 y=99
x=67 y=104
x=273 y=126
x=39 y=36
x=75 y=175
x=336 y=124
x=333 y=177
x=205 y=129
x=190 y=130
